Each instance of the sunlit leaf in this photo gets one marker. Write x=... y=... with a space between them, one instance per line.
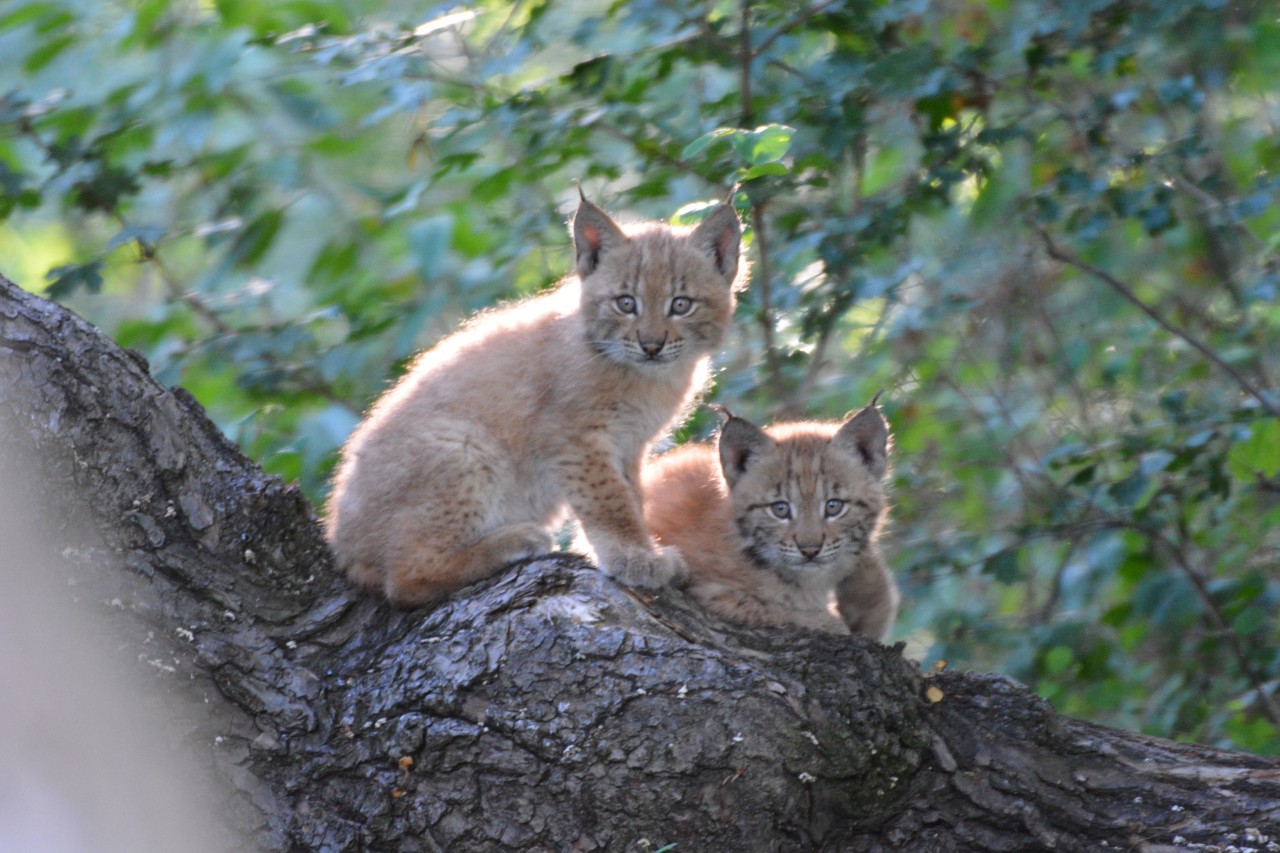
x=769 y=143
x=1259 y=454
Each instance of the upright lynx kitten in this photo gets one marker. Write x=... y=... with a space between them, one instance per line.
x=783 y=525
x=540 y=407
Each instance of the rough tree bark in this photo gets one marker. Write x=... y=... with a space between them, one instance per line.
x=548 y=709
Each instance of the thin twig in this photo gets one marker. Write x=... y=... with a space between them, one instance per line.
x=1071 y=259
x=1270 y=709
x=1045 y=611
x=1209 y=200
x=762 y=277
x=746 y=57
x=646 y=147
x=1214 y=615
x=817 y=361
x=198 y=306
x=1219 y=622
x=818 y=357
x=149 y=254
x=1265 y=258
x=797 y=21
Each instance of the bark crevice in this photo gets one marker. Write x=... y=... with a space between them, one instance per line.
x=546 y=709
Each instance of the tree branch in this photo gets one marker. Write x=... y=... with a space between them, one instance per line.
x=149 y=253
x=763 y=277
x=796 y=20
x=745 y=57
x=1219 y=622
x=1071 y=259
x=545 y=709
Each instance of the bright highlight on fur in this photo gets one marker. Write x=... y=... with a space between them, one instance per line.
x=536 y=410
x=778 y=526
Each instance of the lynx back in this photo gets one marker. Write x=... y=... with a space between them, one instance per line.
x=537 y=410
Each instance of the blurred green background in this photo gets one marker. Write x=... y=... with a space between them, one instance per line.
x=1048 y=231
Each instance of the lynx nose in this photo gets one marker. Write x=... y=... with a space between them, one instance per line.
x=652 y=347
x=809 y=551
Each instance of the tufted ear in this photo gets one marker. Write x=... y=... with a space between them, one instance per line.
x=742 y=444
x=866 y=435
x=719 y=236
x=594 y=234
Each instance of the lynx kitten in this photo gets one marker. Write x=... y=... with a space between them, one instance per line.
x=545 y=406
x=781 y=529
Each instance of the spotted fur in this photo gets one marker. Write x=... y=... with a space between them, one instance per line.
x=538 y=410
x=780 y=526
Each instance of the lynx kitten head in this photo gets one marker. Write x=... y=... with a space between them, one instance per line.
x=806 y=497
x=653 y=295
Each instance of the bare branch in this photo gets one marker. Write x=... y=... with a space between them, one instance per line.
x=1217 y=620
x=763 y=279
x=605 y=716
x=797 y=21
x=1071 y=259
x=746 y=57
x=149 y=253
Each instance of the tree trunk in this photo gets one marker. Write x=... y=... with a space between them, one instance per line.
x=547 y=709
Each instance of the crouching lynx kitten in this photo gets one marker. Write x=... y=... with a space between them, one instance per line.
x=472 y=459
x=783 y=525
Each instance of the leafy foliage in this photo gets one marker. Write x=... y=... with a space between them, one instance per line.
x=1049 y=230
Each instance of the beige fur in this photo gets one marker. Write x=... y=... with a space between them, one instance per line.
x=540 y=408
x=819 y=567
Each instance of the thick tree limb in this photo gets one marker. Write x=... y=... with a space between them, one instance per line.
x=549 y=709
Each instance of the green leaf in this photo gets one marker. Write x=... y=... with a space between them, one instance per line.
x=1251 y=620
x=105 y=189
x=766 y=144
x=769 y=143
x=148 y=234
x=67 y=279
x=694 y=212
x=1155 y=461
x=430 y=239
x=1003 y=566
x=44 y=15
x=1128 y=491
x=1058 y=660
x=47 y=51
x=761 y=170
x=705 y=141
x=1259 y=454
x=254 y=241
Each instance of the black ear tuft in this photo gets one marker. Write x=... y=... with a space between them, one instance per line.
x=866 y=435
x=721 y=411
x=742 y=444
x=720 y=237
x=594 y=235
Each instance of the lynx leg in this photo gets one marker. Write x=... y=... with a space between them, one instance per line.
x=607 y=502
x=868 y=599
x=424 y=576
x=423 y=528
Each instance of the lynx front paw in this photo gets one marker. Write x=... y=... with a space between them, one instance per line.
x=645 y=569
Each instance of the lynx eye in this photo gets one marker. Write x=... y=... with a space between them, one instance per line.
x=835 y=508
x=780 y=510
x=626 y=304
x=680 y=306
